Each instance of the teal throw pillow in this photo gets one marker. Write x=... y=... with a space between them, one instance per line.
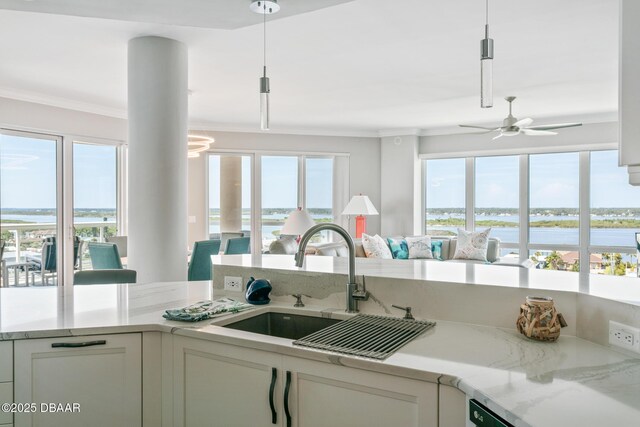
x=436 y=248
x=399 y=248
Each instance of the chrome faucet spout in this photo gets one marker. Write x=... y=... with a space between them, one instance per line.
x=353 y=294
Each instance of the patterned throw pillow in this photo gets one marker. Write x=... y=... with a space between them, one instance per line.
x=399 y=248
x=375 y=247
x=419 y=247
x=472 y=245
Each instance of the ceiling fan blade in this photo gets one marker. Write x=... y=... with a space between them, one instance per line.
x=478 y=127
x=496 y=137
x=523 y=123
x=534 y=132
x=556 y=126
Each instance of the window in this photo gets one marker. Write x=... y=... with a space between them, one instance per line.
x=614 y=216
x=229 y=197
x=28 y=200
x=445 y=196
x=319 y=191
x=497 y=196
x=554 y=239
x=554 y=192
x=94 y=195
x=279 y=194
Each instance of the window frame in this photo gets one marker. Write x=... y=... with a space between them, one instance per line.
x=584 y=246
x=256 y=184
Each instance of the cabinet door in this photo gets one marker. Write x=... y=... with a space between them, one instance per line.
x=324 y=395
x=222 y=385
x=103 y=377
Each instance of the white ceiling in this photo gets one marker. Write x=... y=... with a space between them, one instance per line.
x=353 y=68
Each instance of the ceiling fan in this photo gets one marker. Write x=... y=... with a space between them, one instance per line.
x=511 y=126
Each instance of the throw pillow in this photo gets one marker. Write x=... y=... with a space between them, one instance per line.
x=375 y=247
x=419 y=247
x=399 y=248
x=436 y=249
x=472 y=245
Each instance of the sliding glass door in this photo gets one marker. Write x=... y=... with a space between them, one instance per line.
x=30 y=209
x=95 y=199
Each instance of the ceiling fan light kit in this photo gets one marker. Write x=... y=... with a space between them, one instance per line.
x=264 y=8
x=486 y=66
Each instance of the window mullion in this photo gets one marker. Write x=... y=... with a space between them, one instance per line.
x=470 y=190
x=585 y=219
x=523 y=208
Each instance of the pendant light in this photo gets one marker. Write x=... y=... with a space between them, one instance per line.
x=265 y=8
x=486 y=66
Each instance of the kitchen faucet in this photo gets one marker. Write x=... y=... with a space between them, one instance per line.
x=353 y=293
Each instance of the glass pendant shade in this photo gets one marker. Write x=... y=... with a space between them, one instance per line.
x=486 y=83
x=264 y=101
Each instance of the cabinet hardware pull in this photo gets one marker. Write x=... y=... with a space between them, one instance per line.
x=272 y=387
x=286 y=398
x=78 y=344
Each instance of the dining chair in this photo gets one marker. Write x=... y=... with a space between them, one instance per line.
x=45 y=263
x=200 y=265
x=104 y=256
x=121 y=243
x=239 y=245
x=104 y=277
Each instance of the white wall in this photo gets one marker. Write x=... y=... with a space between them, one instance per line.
x=588 y=135
x=364 y=166
x=400 y=186
x=23 y=115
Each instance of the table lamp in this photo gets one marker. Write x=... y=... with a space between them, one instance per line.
x=297 y=223
x=360 y=206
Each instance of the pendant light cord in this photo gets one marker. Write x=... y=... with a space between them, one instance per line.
x=487 y=9
x=264 y=37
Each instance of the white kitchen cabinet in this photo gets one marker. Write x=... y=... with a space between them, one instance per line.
x=222 y=385
x=231 y=385
x=324 y=395
x=6 y=380
x=101 y=373
x=452 y=407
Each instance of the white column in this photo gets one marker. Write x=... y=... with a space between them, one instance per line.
x=157 y=109
x=230 y=194
x=400 y=190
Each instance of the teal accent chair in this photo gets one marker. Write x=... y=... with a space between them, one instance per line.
x=104 y=256
x=104 y=277
x=237 y=246
x=200 y=265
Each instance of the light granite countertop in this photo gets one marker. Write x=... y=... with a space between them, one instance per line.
x=570 y=382
x=626 y=289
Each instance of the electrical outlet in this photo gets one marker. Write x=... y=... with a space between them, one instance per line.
x=624 y=336
x=233 y=283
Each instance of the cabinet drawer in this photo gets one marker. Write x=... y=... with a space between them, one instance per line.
x=101 y=373
x=6 y=396
x=6 y=361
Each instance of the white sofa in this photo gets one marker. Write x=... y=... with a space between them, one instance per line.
x=448 y=250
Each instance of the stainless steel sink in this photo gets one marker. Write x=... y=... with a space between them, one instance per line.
x=283 y=325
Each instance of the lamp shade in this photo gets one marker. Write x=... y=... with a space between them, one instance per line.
x=298 y=222
x=360 y=205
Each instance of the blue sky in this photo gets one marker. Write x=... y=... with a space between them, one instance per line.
x=553 y=182
x=28 y=174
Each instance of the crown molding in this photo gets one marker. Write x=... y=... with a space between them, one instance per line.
x=400 y=132
x=226 y=127
x=60 y=102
